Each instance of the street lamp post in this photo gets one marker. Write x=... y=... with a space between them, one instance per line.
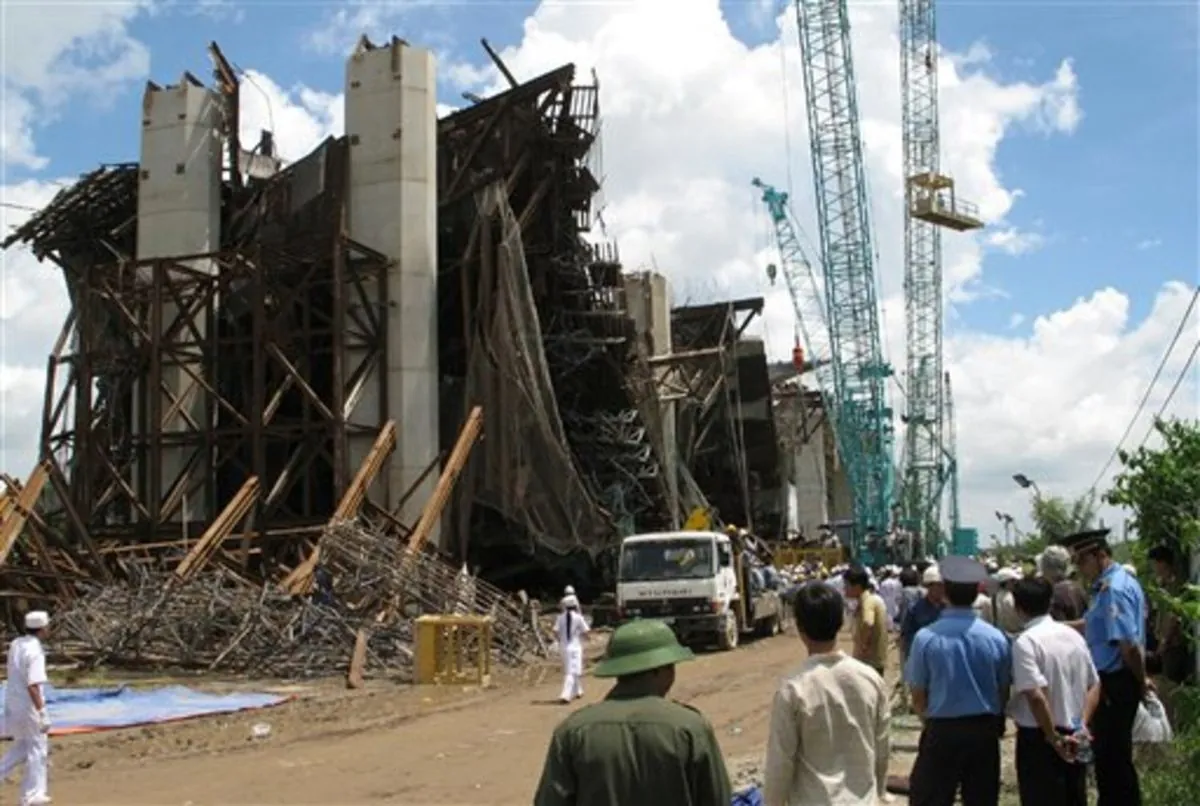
x=1007 y=520
x=1026 y=483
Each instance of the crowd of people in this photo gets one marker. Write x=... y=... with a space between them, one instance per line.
x=1057 y=651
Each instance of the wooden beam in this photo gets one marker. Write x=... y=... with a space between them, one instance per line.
x=221 y=527
x=300 y=579
x=445 y=484
x=15 y=519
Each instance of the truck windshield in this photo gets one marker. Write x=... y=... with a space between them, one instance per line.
x=667 y=559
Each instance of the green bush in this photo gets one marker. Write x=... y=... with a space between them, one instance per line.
x=1172 y=777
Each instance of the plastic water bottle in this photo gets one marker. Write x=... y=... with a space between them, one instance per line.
x=1083 y=746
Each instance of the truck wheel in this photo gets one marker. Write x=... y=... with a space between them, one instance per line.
x=727 y=638
x=768 y=627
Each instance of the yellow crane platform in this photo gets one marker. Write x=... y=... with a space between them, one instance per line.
x=932 y=198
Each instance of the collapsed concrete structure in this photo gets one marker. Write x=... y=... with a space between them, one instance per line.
x=235 y=320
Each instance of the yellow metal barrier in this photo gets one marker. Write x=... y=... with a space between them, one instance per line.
x=783 y=556
x=453 y=650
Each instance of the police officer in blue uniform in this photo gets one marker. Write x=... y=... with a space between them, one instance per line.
x=1115 y=629
x=959 y=669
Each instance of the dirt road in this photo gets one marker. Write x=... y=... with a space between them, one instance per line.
x=394 y=745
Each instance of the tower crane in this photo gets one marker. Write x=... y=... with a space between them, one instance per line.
x=854 y=380
x=930 y=204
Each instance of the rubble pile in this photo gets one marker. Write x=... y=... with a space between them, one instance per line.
x=218 y=621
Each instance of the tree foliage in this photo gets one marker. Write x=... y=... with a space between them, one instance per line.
x=1056 y=517
x=1161 y=487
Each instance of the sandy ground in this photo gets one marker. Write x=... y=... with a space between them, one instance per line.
x=392 y=744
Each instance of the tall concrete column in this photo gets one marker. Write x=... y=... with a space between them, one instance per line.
x=391 y=120
x=648 y=302
x=179 y=213
x=809 y=480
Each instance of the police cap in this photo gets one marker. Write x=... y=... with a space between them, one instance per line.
x=962 y=570
x=1086 y=540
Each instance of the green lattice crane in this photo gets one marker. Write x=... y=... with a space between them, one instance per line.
x=930 y=204
x=855 y=382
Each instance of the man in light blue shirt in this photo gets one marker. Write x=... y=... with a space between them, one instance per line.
x=959 y=670
x=1115 y=629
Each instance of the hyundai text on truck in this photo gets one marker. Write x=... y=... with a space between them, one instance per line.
x=696 y=582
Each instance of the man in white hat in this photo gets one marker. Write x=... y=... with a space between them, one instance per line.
x=1004 y=607
x=25 y=710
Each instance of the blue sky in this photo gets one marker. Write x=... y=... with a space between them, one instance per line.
x=1116 y=204
x=1113 y=202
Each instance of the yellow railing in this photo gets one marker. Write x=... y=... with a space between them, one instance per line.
x=783 y=556
x=454 y=650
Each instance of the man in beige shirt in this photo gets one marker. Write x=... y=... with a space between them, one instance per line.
x=870 y=620
x=829 y=735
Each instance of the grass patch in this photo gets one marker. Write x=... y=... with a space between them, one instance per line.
x=1170 y=775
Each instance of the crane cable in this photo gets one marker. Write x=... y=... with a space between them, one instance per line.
x=1150 y=389
x=787 y=115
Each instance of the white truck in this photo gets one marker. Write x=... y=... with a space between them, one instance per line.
x=695 y=581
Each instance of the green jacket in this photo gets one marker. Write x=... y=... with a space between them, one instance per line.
x=634 y=748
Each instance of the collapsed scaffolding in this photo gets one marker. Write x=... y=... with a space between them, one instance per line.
x=210 y=400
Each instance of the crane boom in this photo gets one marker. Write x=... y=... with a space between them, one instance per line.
x=859 y=372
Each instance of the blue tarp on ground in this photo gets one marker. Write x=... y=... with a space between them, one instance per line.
x=85 y=710
x=748 y=797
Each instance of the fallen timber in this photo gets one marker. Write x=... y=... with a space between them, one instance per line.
x=369 y=581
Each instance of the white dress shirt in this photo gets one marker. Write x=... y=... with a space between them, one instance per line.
x=891 y=590
x=829 y=737
x=26 y=667
x=1052 y=656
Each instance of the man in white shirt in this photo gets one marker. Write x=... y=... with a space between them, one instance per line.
x=891 y=589
x=829 y=735
x=25 y=710
x=1054 y=679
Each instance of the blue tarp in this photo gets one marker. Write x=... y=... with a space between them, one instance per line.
x=84 y=710
x=748 y=797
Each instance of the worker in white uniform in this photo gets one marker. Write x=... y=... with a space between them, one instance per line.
x=571 y=628
x=25 y=711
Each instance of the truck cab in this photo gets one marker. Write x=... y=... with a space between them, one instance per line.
x=693 y=581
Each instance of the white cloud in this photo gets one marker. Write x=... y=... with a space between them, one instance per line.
x=218 y=10
x=1149 y=243
x=33 y=305
x=299 y=118
x=1053 y=405
x=55 y=52
x=377 y=19
x=1013 y=241
x=691 y=114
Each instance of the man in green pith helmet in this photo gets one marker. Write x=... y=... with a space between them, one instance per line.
x=636 y=746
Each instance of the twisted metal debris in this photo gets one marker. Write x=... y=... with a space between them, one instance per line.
x=220 y=622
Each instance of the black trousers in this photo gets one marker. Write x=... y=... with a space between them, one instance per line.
x=1043 y=777
x=1112 y=731
x=957 y=754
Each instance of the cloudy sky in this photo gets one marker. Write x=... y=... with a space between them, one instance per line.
x=1073 y=126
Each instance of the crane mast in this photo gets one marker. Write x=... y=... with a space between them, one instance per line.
x=952 y=457
x=964 y=541
x=930 y=203
x=858 y=371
